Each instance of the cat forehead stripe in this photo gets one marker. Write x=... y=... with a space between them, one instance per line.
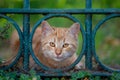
x=60 y=33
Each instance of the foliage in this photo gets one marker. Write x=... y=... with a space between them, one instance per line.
x=32 y=76
x=6 y=75
x=82 y=75
x=115 y=76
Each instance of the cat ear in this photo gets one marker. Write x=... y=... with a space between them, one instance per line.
x=75 y=29
x=46 y=28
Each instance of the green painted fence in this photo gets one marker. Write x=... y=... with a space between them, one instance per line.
x=88 y=35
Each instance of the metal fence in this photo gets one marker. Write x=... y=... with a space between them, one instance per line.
x=88 y=34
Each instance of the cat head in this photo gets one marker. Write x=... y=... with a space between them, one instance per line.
x=59 y=44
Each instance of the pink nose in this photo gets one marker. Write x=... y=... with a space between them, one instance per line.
x=58 y=51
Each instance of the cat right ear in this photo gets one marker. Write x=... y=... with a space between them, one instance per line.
x=46 y=28
x=75 y=29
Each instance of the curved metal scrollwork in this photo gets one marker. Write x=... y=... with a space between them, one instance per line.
x=48 y=17
x=20 y=38
x=93 y=41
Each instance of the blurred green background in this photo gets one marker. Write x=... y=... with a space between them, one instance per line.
x=107 y=37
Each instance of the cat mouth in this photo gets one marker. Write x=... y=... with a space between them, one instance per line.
x=58 y=58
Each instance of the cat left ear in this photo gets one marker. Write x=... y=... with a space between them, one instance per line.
x=75 y=29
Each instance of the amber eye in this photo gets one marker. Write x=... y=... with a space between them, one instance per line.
x=65 y=45
x=52 y=44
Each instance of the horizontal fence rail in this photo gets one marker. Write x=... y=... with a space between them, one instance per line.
x=88 y=35
x=60 y=11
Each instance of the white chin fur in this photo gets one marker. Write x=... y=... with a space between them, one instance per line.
x=56 y=59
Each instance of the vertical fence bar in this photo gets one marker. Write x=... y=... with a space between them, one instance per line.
x=88 y=29
x=26 y=32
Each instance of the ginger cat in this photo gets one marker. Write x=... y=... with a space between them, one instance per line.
x=54 y=47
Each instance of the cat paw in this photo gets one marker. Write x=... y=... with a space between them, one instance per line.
x=79 y=66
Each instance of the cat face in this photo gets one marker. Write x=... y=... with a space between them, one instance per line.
x=59 y=44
